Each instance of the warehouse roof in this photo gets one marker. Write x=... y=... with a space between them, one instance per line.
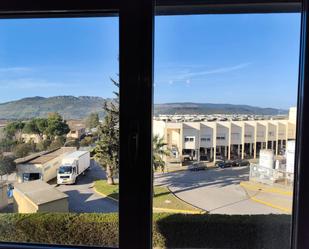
x=39 y=192
x=30 y=157
x=49 y=156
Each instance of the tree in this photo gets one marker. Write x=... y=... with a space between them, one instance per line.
x=43 y=145
x=22 y=150
x=56 y=126
x=106 y=151
x=12 y=128
x=7 y=144
x=92 y=120
x=36 y=126
x=41 y=124
x=31 y=127
x=159 y=150
x=57 y=143
x=7 y=165
x=86 y=141
x=72 y=143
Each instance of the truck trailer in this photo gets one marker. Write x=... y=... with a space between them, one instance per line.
x=72 y=166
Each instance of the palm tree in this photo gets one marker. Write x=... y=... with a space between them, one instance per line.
x=159 y=150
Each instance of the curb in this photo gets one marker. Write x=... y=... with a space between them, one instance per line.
x=201 y=212
x=106 y=196
x=178 y=211
x=268 y=190
x=287 y=210
x=266 y=203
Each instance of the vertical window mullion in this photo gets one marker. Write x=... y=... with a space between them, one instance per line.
x=300 y=239
x=136 y=82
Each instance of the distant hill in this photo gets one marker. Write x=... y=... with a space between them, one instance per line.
x=208 y=108
x=71 y=107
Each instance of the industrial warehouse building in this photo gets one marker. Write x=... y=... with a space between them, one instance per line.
x=208 y=140
x=38 y=196
x=41 y=166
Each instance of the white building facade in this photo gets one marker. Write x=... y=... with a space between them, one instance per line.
x=209 y=140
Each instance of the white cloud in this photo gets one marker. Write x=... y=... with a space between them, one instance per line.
x=194 y=72
x=213 y=71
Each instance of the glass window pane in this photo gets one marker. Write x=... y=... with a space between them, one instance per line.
x=224 y=130
x=59 y=136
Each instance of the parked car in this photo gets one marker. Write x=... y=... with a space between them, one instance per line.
x=219 y=161
x=242 y=163
x=197 y=166
x=220 y=164
x=225 y=164
x=230 y=163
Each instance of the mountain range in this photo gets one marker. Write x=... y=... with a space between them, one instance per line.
x=71 y=107
x=208 y=108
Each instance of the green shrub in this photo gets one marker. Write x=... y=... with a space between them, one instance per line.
x=43 y=145
x=60 y=228
x=169 y=230
x=57 y=143
x=223 y=231
x=22 y=150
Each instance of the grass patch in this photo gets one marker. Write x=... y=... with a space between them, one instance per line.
x=163 y=198
x=106 y=189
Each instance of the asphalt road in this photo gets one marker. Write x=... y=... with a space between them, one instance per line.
x=214 y=190
x=83 y=199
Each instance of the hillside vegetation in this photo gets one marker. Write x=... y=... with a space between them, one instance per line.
x=71 y=107
x=208 y=108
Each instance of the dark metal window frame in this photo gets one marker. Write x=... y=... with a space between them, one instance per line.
x=136 y=19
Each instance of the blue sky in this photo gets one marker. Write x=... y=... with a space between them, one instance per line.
x=239 y=59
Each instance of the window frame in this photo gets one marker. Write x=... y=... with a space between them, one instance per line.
x=136 y=28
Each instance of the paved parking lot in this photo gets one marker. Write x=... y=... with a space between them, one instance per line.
x=214 y=190
x=83 y=199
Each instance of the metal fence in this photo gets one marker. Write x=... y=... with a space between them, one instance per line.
x=266 y=175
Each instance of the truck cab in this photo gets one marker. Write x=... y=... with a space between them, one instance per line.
x=66 y=174
x=72 y=166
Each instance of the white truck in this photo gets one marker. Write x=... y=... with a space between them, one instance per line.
x=72 y=166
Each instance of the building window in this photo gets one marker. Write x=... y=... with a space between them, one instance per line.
x=189 y=139
x=220 y=138
x=205 y=139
